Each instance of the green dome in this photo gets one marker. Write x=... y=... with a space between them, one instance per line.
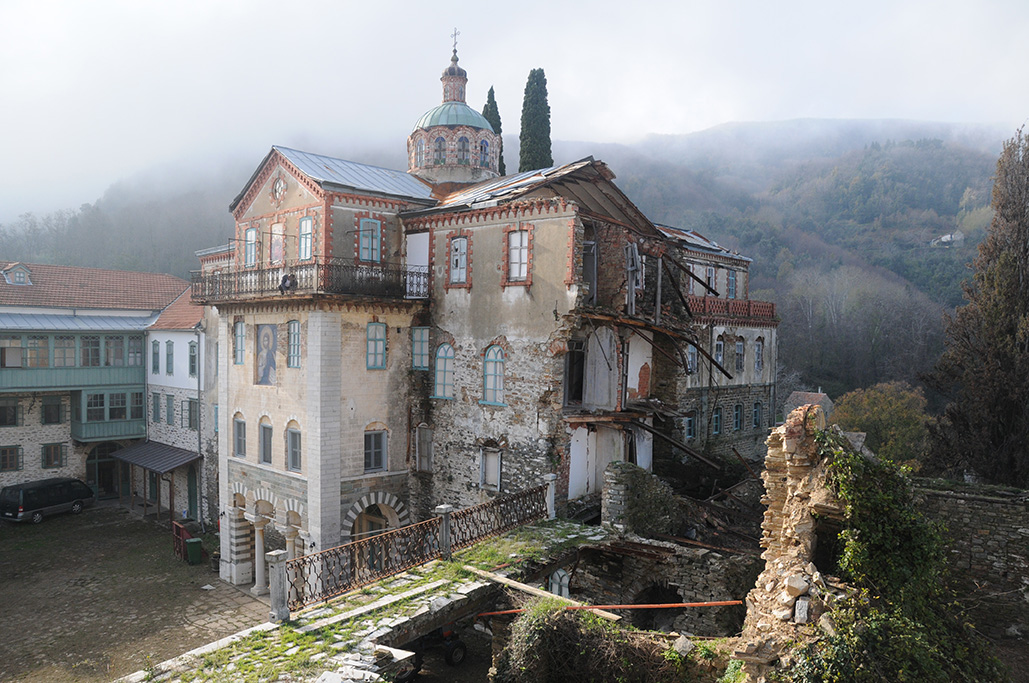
x=453 y=114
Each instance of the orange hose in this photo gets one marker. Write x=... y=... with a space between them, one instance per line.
x=719 y=603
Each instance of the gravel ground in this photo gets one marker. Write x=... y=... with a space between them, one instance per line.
x=100 y=595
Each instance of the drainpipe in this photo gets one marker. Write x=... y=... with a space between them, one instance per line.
x=201 y=479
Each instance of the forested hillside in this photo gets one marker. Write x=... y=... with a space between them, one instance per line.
x=839 y=217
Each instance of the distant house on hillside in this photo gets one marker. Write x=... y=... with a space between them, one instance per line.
x=954 y=239
x=803 y=398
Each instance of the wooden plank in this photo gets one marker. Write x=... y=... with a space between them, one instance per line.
x=538 y=592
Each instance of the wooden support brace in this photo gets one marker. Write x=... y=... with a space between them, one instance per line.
x=510 y=583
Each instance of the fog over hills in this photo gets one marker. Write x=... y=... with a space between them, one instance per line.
x=822 y=206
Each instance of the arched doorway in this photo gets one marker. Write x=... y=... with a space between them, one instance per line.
x=656 y=619
x=102 y=470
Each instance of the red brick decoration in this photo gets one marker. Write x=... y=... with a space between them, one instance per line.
x=644 y=381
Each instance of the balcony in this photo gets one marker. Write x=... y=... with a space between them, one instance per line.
x=732 y=308
x=29 y=379
x=105 y=431
x=317 y=276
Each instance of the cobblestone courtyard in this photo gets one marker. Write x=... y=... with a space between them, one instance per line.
x=100 y=595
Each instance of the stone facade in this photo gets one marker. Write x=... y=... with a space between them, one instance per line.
x=32 y=436
x=987 y=533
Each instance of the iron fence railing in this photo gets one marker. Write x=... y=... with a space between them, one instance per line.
x=497 y=516
x=324 y=575
x=315 y=276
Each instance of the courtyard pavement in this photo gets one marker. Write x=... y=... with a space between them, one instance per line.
x=100 y=595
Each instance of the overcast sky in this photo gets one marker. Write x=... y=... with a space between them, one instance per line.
x=96 y=91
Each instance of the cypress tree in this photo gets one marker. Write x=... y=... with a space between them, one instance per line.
x=535 y=136
x=492 y=114
x=985 y=368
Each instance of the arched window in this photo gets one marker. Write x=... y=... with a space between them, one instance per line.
x=419 y=155
x=756 y=416
x=484 y=153
x=264 y=441
x=493 y=376
x=719 y=351
x=740 y=352
x=759 y=354
x=439 y=154
x=558 y=583
x=463 y=150
x=444 y=385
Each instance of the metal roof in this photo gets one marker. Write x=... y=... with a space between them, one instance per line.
x=453 y=114
x=156 y=457
x=84 y=323
x=694 y=240
x=340 y=172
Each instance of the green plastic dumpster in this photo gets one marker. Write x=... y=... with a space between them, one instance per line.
x=194 y=550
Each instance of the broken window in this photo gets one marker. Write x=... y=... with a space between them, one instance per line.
x=459 y=260
x=710 y=278
x=589 y=270
x=740 y=346
x=719 y=351
x=601 y=389
x=489 y=473
x=691 y=359
x=423 y=448
x=575 y=371
x=759 y=355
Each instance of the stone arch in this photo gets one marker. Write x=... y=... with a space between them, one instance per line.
x=655 y=593
x=387 y=501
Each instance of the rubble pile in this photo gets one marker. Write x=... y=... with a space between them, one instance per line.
x=791 y=592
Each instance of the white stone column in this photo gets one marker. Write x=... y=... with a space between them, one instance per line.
x=291 y=533
x=322 y=437
x=260 y=577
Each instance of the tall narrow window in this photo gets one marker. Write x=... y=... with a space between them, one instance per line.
x=693 y=282
x=423 y=448
x=138 y=407
x=169 y=357
x=169 y=409
x=493 y=376
x=731 y=293
x=193 y=414
x=489 y=473
x=10 y=458
x=155 y=413
x=293 y=337
x=118 y=410
x=250 y=247
x=193 y=359
x=459 y=260
x=439 y=151
x=716 y=421
x=64 y=351
x=691 y=359
x=756 y=415
x=689 y=425
x=135 y=351
x=463 y=151
x=239 y=347
x=374 y=451
x=740 y=346
x=155 y=357
x=306 y=230
x=239 y=437
x=10 y=412
x=719 y=351
x=518 y=255
x=710 y=277
x=90 y=351
x=370 y=236
x=759 y=355
x=39 y=351
x=293 y=460
x=419 y=155
x=376 y=346
x=484 y=153
x=114 y=351
x=95 y=408
x=444 y=384
x=420 y=348
x=737 y=417
x=264 y=443
x=575 y=372
x=52 y=411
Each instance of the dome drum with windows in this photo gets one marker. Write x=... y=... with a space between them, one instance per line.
x=453 y=143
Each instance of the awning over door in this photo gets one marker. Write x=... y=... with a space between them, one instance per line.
x=156 y=457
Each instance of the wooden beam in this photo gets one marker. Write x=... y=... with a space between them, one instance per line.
x=538 y=592
x=678 y=444
x=675 y=286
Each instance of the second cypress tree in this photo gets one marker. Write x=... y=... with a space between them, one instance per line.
x=534 y=140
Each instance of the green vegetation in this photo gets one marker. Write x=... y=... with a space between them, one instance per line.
x=900 y=625
x=534 y=140
x=985 y=369
x=892 y=416
x=491 y=113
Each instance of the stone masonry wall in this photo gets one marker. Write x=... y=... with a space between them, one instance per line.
x=987 y=533
x=32 y=434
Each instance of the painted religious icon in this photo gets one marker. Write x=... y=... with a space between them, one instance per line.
x=267 y=343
